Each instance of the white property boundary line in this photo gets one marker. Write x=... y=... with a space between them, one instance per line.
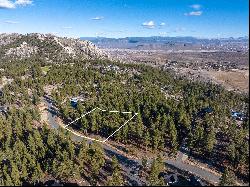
x=97 y=108
x=77 y=134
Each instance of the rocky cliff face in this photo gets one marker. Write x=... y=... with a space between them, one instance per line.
x=47 y=46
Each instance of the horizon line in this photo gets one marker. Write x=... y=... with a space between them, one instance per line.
x=159 y=36
x=196 y=37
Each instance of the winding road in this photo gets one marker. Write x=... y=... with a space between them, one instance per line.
x=128 y=163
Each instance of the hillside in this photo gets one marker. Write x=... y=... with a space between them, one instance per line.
x=47 y=123
x=47 y=47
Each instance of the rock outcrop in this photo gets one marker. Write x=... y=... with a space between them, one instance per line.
x=51 y=47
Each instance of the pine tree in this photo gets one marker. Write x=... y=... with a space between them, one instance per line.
x=155 y=170
x=96 y=160
x=156 y=139
x=210 y=140
x=198 y=137
x=15 y=176
x=146 y=139
x=37 y=174
x=139 y=126
x=84 y=124
x=116 y=178
x=93 y=123
x=24 y=171
x=8 y=180
x=173 y=136
x=227 y=178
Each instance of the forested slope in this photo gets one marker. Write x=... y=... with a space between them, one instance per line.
x=168 y=108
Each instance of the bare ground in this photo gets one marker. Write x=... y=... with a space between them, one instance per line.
x=232 y=80
x=237 y=79
x=43 y=112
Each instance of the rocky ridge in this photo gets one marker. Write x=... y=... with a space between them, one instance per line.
x=47 y=46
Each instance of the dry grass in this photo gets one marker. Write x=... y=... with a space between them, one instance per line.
x=236 y=79
x=232 y=80
x=44 y=114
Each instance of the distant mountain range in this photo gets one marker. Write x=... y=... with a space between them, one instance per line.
x=157 y=42
x=161 y=38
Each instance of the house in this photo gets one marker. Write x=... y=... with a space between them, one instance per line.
x=73 y=102
x=234 y=114
x=238 y=116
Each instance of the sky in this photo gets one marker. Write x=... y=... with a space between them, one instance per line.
x=126 y=18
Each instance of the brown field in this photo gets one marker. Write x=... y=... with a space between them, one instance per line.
x=232 y=80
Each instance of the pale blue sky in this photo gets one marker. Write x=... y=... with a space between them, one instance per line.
x=122 y=18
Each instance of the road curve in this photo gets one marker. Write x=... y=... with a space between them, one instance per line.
x=127 y=163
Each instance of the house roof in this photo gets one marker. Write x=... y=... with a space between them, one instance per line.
x=74 y=100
